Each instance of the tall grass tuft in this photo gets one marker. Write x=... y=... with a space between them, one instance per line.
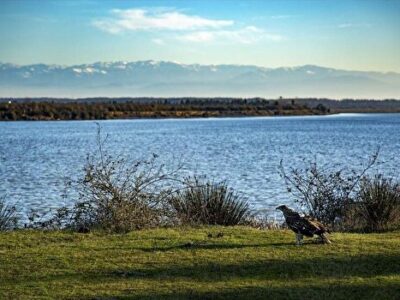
x=204 y=202
x=8 y=216
x=379 y=203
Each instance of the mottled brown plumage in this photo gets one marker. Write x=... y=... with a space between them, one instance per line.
x=306 y=225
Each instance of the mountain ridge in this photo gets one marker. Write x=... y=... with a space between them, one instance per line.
x=166 y=78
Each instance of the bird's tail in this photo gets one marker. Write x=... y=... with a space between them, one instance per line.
x=325 y=239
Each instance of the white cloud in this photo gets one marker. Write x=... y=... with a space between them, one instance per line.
x=188 y=28
x=199 y=36
x=246 y=35
x=353 y=25
x=158 y=41
x=277 y=17
x=142 y=19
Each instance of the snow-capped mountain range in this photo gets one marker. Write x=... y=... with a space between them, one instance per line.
x=168 y=79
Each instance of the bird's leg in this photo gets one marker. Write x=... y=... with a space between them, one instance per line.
x=301 y=239
x=325 y=239
x=298 y=239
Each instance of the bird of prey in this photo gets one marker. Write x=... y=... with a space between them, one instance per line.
x=306 y=225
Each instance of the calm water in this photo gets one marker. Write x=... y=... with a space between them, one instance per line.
x=36 y=157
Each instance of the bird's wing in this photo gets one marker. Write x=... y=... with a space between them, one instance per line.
x=301 y=225
x=319 y=227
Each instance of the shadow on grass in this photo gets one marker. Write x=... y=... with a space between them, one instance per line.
x=364 y=266
x=359 y=266
x=204 y=246
x=384 y=291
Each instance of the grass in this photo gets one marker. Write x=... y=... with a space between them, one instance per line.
x=244 y=263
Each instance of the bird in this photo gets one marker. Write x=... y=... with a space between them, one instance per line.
x=304 y=225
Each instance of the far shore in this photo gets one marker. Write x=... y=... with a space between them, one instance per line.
x=51 y=111
x=48 y=109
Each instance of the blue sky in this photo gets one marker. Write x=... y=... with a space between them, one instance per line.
x=356 y=35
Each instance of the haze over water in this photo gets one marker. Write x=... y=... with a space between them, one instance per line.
x=37 y=157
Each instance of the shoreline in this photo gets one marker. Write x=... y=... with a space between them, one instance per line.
x=209 y=117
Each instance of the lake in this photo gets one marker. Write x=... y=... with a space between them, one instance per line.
x=37 y=157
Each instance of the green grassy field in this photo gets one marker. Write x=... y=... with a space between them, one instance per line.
x=244 y=263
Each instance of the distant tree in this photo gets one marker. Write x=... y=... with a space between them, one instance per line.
x=321 y=108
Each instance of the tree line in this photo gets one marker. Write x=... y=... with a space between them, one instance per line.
x=83 y=109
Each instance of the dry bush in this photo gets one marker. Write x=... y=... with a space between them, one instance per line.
x=118 y=195
x=324 y=192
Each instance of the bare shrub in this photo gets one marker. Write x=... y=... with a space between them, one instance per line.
x=324 y=192
x=209 y=203
x=8 y=216
x=118 y=195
